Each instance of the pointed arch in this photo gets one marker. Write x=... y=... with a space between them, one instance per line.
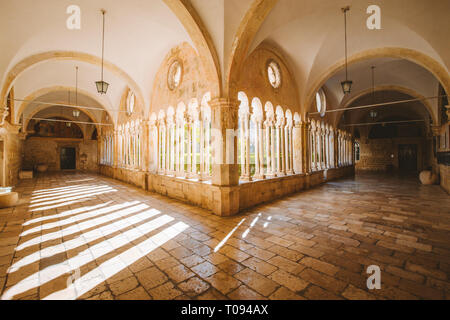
x=414 y=56
x=30 y=61
x=195 y=27
x=245 y=34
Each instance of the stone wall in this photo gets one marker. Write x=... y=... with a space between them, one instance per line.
x=444 y=172
x=254 y=80
x=193 y=82
x=205 y=195
x=382 y=154
x=11 y=158
x=14 y=148
x=47 y=150
x=131 y=176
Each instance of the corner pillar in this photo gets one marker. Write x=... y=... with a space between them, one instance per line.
x=225 y=168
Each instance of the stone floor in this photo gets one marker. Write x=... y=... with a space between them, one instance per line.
x=89 y=237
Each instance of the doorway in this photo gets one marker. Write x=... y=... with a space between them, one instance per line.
x=67 y=158
x=407 y=157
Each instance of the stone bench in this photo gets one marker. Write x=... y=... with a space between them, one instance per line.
x=8 y=199
x=26 y=174
x=427 y=177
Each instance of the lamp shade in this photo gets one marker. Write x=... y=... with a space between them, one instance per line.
x=68 y=124
x=76 y=113
x=102 y=86
x=346 y=86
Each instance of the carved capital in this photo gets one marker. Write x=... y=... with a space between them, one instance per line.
x=436 y=130
x=224 y=113
x=3 y=114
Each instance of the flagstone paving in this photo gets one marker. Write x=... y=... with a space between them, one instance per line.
x=83 y=236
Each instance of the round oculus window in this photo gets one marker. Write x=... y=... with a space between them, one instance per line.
x=131 y=100
x=321 y=103
x=174 y=75
x=274 y=74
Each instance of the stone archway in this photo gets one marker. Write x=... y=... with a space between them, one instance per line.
x=203 y=42
x=245 y=34
x=414 y=56
x=347 y=102
x=43 y=91
x=67 y=55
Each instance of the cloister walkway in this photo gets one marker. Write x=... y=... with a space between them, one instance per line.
x=79 y=236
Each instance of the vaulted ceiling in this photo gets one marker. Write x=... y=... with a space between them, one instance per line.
x=39 y=53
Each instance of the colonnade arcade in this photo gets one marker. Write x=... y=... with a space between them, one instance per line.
x=180 y=140
x=271 y=142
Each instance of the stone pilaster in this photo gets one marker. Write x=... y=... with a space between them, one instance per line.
x=224 y=145
x=225 y=173
x=297 y=146
x=116 y=149
x=336 y=148
x=306 y=156
x=3 y=114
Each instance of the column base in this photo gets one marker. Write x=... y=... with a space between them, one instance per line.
x=225 y=175
x=225 y=201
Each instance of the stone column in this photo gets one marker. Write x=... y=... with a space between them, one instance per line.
x=313 y=147
x=336 y=148
x=202 y=147
x=115 y=163
x=189 y=151
x=298 y=149
x=436 y=132
x=194 y=149
x=283 y=149
x=259 y=152
x=225 y=173
x=261 y=149
x=319 y=147
x=242 y=145
x=224 y=144
x=306 y=147
x=256 y=142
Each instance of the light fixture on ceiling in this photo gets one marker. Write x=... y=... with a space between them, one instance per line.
x=373 y=114
x=68 y=124
x=102 y=86
x=75 y=112
x=347 y=84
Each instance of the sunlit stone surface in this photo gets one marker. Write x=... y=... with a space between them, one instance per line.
x=79 y=236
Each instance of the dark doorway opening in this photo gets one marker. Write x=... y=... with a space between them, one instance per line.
x=68 y=161
x=407 y=157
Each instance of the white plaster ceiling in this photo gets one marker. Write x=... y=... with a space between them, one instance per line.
x=388 y=72
x=62 y=97
x=405 y=111
x=138 y=35
x=311 y=34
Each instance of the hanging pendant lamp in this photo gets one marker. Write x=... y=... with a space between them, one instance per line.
x=373 y=114
x=68 y=124
x=102 y=86
x=75 y=112
x=347 y=84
